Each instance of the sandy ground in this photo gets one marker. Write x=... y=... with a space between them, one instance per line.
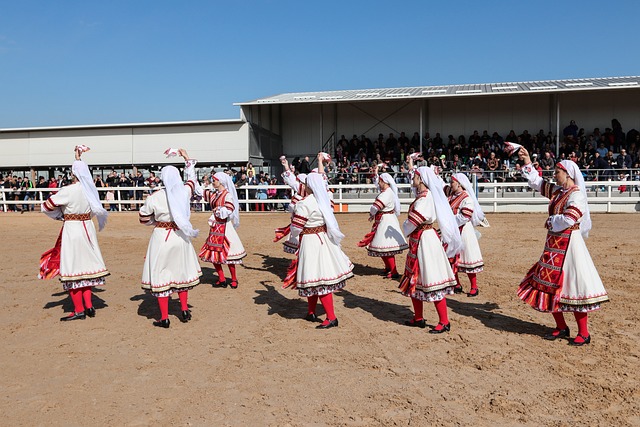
x=247 y=357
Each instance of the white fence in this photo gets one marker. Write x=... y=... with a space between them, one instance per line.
x=604 y=196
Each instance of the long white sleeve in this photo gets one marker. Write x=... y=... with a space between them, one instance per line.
x=533 y=177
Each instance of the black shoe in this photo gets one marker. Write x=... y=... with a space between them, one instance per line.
x=221 y=284
x=473 y=292
x=311 y=317
x=164 y=323
x=74 y=316
x=91 y=312
x=561 y=333
x=186 y=316
x=395 y=275
x=457 y=289
x=331 y=324
x=384 y=273
x=586 y=339
x=416 y=323
x=445 y=328
x=234 y=284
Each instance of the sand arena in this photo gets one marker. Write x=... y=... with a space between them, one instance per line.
x=248 y=358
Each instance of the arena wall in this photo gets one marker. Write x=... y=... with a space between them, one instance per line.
x=209 y=142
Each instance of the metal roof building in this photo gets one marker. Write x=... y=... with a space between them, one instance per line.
x=304 y=123
x=309 y=121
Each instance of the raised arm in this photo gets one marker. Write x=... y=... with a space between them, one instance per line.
x=533 y=177
x=190 y=170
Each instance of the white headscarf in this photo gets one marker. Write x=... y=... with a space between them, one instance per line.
x=447 y=222
x=574 y=172
x=478 y=214
x=302 y=178
x=227 y=182
x=81 y=171
x=389 y=180
x=317 y=185
x=179 y=200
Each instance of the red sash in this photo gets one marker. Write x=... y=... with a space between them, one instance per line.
x=282 y=232
x=368 y=238
x=50 y=260
x=291 y=279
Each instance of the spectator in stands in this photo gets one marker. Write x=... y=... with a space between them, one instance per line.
x=572 y=129
x=547 y=163
x=601 y=166
x=138 y=181
x=99 y=183
x=456 y=163
x=305 y=166
x=602 y=148
x=124 y=181
x=493 y=164
x=624 y=161
x=152 y=182
x=27 y=193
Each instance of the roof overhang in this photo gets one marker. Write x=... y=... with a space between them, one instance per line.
x=483 y=89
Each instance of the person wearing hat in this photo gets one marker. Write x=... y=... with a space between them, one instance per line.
x=565 y=278
x=385 y=239
x=223 y=246
x=428 y=275
x=76 y=257
x=171 y=264
x=321 y=267
x=468 y=214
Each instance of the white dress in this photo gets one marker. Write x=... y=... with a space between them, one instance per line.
x=322 y=266
x=81 y=262
x=388 y=239
x=171 y=263
x=578 y=286
x=470 y=259
x=428 y=275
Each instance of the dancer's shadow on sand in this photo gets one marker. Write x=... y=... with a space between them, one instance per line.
x=275 y=265
x=149 y=306
x=288 y=308
x=381 y=310
x=485 y=313
x=67 y=304
x=210 y=277
x=365 y=270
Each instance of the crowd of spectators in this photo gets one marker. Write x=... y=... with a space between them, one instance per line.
x=611 y=154
x=600 y=155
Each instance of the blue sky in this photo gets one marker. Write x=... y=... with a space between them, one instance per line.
x=93 y=62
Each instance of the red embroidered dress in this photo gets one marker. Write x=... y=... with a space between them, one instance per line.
x=564 y=278
x=469 y=259
x=223 y=246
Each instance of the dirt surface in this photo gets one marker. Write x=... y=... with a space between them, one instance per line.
x=248 y=358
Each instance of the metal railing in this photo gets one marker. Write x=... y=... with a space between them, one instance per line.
x=493 y=196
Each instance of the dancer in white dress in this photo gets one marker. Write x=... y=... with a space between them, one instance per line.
x=223 y=246
x=321 y=267
x=385 y=239
x=171 y=264
x=565 y=278
x=468 y=214
x=76 y=256
x=428 y=275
